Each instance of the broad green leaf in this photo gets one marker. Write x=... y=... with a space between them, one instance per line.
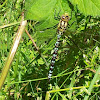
x=40 y=9
x=88 y=7
x=45 y=11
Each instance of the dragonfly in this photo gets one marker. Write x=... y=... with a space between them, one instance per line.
x=63 y=23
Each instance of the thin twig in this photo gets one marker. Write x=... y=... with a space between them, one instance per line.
x=32 y=40
x=36 y=47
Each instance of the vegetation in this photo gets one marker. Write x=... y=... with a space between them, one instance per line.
x=76 y=72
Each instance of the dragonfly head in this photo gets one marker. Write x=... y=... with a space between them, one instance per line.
x=65 y=17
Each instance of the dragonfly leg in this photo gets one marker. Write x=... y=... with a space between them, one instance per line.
x=57 y=17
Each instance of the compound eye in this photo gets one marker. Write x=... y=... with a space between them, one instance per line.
x=67 y=16
x=63 y=17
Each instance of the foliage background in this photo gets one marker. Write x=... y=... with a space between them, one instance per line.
x=78 y=56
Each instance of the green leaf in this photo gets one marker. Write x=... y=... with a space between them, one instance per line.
x=40 y=61
x=88 y=7
x=45 y=11
x=39 y=9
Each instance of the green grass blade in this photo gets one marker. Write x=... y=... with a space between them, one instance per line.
x=92 y=83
